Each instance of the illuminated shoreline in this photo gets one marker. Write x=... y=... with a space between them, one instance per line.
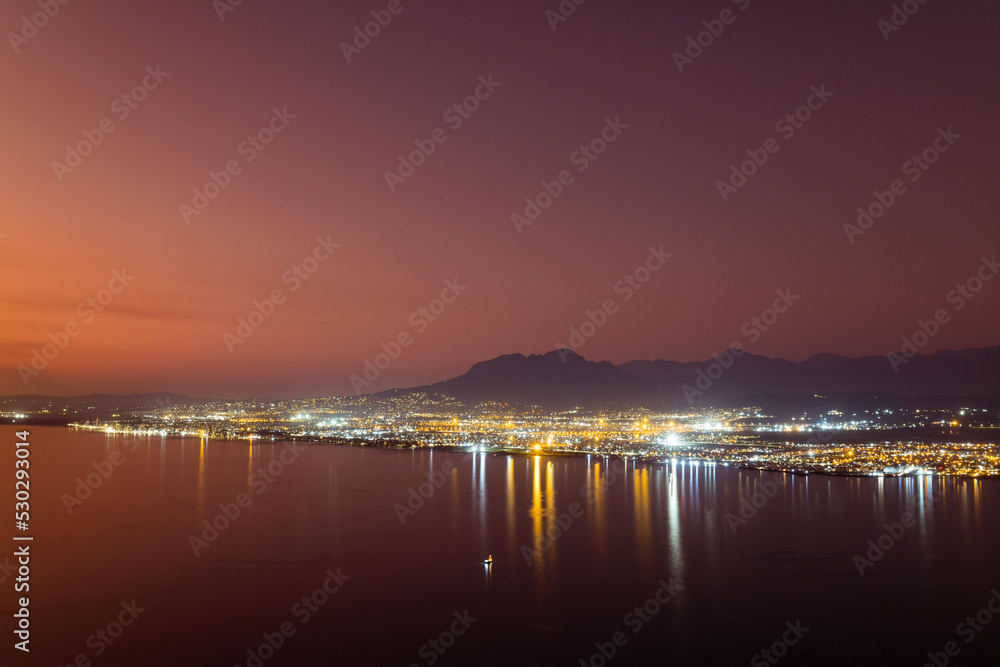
x=892 y=459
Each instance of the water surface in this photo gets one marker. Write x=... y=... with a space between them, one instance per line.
x=626 y=530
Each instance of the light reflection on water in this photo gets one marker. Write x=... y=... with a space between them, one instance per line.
x=335 y=507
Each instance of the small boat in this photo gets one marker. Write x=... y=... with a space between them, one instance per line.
x=489 y=560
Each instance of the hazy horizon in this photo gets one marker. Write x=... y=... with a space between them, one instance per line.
x=165 y=182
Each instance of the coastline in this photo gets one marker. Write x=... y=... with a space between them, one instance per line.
x=644 y=460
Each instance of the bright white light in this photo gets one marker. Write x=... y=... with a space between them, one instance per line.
x=669 y=439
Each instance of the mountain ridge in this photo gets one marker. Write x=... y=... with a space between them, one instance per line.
x=564 y=378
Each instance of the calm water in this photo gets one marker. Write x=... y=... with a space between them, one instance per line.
x=334 y=509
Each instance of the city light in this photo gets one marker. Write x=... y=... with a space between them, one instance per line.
x=876 y=442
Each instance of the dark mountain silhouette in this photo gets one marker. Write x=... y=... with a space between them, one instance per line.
x=557 y=378
x=96 y=403
x=563 y=378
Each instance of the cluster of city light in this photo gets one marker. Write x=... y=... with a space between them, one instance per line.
x=818 y=443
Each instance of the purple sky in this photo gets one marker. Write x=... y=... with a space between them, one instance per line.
x=277 y=71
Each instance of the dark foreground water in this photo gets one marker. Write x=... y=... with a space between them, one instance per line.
x=709 y=590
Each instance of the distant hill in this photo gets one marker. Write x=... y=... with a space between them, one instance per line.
x=96 y=404
x=563 y=378
x=559 y=377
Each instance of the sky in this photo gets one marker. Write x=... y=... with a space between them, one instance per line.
x=168 y=168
